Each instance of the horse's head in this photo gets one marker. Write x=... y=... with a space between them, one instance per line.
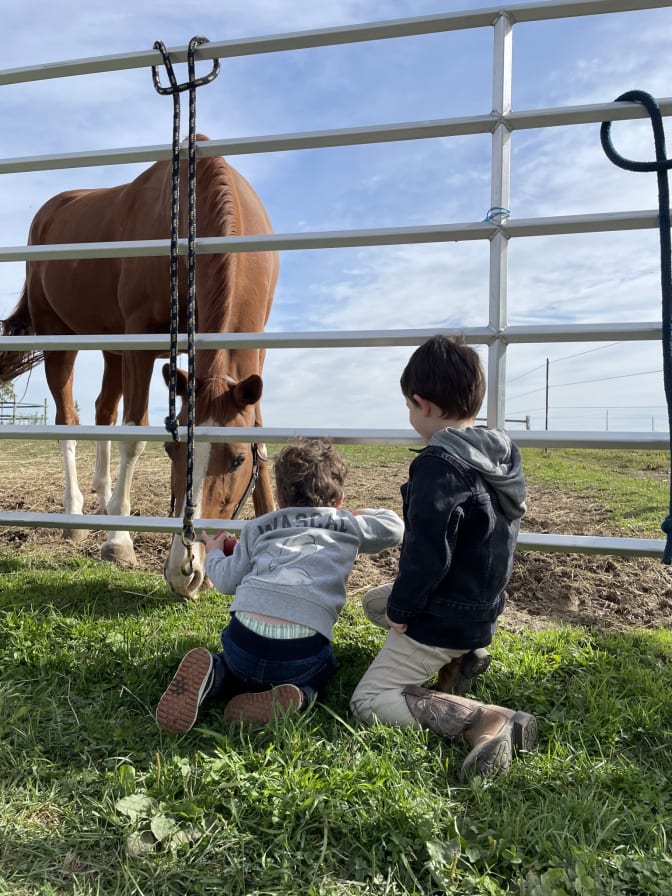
x=222 y=472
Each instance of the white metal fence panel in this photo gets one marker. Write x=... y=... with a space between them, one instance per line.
x=499 y=229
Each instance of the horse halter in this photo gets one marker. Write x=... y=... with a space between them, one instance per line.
x=257 y=459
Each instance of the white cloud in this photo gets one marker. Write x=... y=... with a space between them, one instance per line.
x=555 y=172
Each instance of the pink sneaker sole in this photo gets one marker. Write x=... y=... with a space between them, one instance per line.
x=261 y=708
x=178 y=707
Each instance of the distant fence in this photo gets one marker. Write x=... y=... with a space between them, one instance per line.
x=22 y=412
x=526 y=420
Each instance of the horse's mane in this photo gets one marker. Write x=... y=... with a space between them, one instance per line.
x=217 y=216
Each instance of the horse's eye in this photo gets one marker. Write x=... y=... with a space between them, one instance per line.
x=237 y=460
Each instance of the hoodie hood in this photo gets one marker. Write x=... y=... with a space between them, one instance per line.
x=492 y=454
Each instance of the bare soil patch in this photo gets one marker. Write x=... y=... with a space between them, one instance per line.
x=606 y=592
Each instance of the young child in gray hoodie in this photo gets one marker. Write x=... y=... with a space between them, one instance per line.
x=462 y=504
x=288 y=576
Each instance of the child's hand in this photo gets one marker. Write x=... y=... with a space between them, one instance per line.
x=399 y=627
x=222 y=541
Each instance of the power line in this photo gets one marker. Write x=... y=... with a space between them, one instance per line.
x=588 y=351
x=527 y=373
x=565 y=358
x=603 y=379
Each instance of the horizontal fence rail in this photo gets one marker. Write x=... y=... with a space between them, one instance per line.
x=340 y=239
x=649 y=441
x=420 y=130
x=500 y=123
x=341 y=338
x=579 y=544
x=326 y=37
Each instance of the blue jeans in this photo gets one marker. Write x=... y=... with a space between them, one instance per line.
x=259 y=663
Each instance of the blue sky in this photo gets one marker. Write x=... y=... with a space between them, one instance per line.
x=568 y=279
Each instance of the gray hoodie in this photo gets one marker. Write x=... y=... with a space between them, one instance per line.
x=293 y=563
x=492 y=454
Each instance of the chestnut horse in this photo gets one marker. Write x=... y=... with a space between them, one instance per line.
x=234 y=292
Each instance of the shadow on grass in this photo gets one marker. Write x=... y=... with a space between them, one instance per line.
x=80 y=585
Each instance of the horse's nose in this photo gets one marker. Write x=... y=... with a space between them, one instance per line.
x=180 y=584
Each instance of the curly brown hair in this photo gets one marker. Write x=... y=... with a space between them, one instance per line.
x=309 y=473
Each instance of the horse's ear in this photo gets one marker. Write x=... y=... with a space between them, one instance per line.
x=247 y=391
x=181 y=380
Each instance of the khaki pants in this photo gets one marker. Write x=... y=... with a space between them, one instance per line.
x=400 y=662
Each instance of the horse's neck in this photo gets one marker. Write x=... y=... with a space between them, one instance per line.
x=221 y=309
x=228 y=284
x=224 y=363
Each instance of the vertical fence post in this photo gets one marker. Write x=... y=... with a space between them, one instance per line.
x=500 y=191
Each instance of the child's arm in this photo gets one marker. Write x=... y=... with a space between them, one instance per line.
x=227 y=560
x=434 y=510
x=379 y=529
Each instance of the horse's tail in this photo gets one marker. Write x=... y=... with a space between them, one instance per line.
x=19 y=323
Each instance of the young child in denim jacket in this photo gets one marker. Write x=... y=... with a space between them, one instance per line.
x=462 y=505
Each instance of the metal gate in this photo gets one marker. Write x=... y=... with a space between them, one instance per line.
x=499 y=229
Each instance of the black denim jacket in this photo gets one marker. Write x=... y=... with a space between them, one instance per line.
x=456 y=557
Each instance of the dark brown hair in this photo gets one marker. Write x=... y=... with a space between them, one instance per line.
x=447 y=372
x=309 y=473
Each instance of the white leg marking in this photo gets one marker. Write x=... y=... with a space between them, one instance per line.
x=119 y=503
x=73 y=500
x=102 y=479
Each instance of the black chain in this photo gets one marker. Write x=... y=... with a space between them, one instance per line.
x=174 y=90
x=661 y=166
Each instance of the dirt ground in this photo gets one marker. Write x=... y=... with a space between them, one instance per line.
x=606 y=592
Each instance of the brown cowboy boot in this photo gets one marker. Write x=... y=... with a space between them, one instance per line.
x=458 y=676
x=492 y=732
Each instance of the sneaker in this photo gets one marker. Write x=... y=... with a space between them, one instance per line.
x=262 y=707
x=178 y=707
x=458 y=676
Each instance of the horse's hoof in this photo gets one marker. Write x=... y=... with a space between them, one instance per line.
x=76 y=536
x=122 y=555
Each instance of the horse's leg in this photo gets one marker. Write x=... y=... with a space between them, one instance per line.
x=59 y=372
x=137 y=373
x=107 y=405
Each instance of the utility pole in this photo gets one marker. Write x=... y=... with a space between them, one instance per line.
x=547 y=365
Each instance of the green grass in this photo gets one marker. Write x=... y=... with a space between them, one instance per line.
x=633 y=486
x=95 y=799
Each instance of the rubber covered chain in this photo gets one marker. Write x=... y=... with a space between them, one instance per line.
x=174 y=90
x=661 y=166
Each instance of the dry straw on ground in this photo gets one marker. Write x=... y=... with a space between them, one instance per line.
x=546 y=588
